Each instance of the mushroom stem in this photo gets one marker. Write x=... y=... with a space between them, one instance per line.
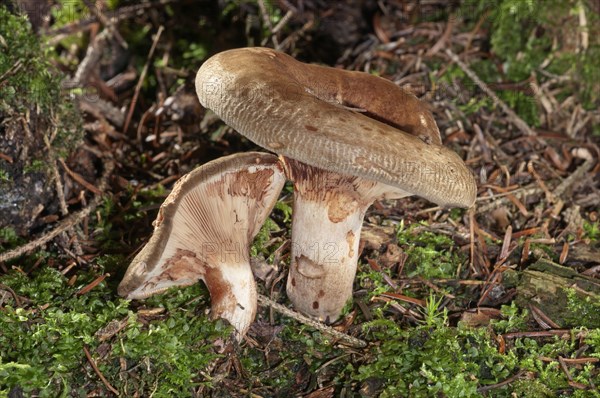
x=232 y=292
x=324 y=258
x=328 y=215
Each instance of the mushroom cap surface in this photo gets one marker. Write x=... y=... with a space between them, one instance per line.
x=302 y=111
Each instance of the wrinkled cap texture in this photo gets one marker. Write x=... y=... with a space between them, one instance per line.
x=346 y=122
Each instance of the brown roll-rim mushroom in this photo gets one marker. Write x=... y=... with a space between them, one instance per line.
x=203 y=231
x=346 y=139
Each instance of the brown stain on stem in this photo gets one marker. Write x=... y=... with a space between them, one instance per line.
x=350 y=241
x=222 y=298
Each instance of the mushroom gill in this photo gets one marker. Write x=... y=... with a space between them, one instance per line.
x=203 y=232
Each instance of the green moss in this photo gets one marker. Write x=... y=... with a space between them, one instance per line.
x=372 y=281
x=513 y=319
x=525 y=105
x=592 y=230
x=195 y=52
x=35 y=166
x=474 y=105
x=547 y=249
x=426 y=361
x=9 y=238
x=513 y=37
x=293 y=353
x=430 y=255
x=133 y=207
x=31 y=88
x=42 y=342
x=141 y=200
x=588 y=73
x=4 y=176
x=584 y=310
x=28 y=79
x=525 y=34
x=260 y=245
x=437 y=360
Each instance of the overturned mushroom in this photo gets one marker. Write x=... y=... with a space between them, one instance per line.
x=346 y=139
x=203 y=232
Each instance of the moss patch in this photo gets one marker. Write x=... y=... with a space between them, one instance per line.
x=42 y=339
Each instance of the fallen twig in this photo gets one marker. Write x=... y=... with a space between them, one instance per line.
x=505 y=197
x=138 y=87
x=346 y=338
x=444 y=38
x=12 y=293
x=90 y=60
x=502 y=383
x=100 y=375
x=79 y=179
x=575 y=176
x=108 y=24
x=91 y=285
x=536 y=334
x=66 y=223
x=61 y=195
x=264 y=13
x=512 y=116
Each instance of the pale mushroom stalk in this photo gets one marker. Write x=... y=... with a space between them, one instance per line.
x=392 y=148
x=328 y=216
x=203 y=231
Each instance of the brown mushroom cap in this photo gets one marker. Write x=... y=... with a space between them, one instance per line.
x=298 y=110
x=203 y=231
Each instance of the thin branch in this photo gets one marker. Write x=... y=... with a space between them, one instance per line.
x=100 y=375
x=108 y=24
x=90 y=60
x=575 y=176
x=138 y=87
x=346 y=338
x=66 y=223
x=12 y=293
x=118 y=15
x=511 y=379
x=504 y=198
x=61 y=195
x=512 y=116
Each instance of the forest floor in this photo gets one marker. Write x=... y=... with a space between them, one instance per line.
x=499 y=300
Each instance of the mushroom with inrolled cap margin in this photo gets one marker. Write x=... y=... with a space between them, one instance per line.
x=346 y=139
x=203 y=232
